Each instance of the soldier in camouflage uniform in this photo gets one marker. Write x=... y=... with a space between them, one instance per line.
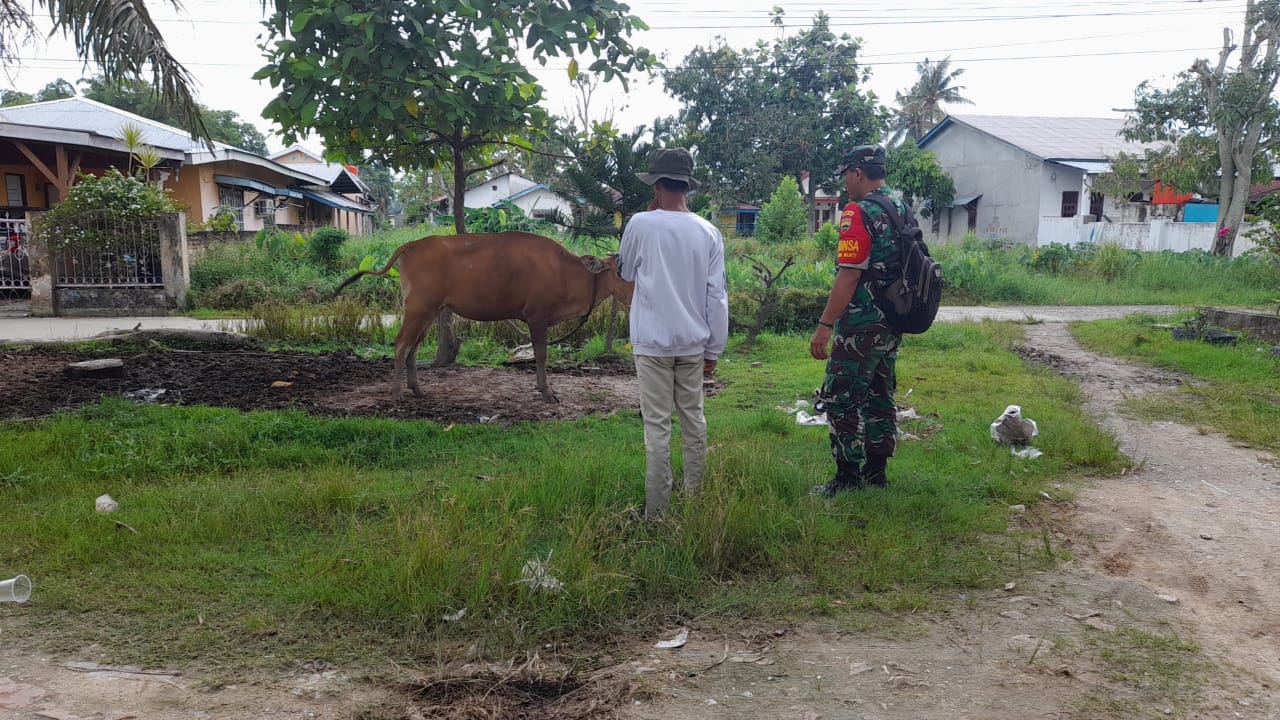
x=860 y=381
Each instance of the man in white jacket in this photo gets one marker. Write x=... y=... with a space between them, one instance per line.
x=679 y=319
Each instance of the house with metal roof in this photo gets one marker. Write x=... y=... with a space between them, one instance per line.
x=45 y=146
x=536 y=199
x=1012 y=173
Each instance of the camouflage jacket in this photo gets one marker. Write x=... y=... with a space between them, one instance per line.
x=867 y=244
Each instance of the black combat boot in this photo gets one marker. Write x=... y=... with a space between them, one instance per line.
x=873 y=472
x=848 y=477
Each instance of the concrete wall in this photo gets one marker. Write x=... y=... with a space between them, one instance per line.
x=1009 y=180
x=1154 y=236
x=1056 y=179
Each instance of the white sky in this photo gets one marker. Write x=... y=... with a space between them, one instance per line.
x=1021 y=57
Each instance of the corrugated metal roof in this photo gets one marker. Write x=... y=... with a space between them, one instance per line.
x=331 y=173
x=1090 y=167
x=335 y=200
x=85 y=115
x=1067 y=138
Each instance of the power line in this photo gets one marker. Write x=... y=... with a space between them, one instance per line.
x=867 y=60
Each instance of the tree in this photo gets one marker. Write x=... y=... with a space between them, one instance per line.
x=117 y=35
x=9 y=98
x=921 y=180
x=416 y=85
x=382 y=189
x=1124 y=180
x=604 y=180
x=783 y=218
x=920 y=108
x=423 y=84
x=140 y=98
x=784 y=108
x=1221 y=120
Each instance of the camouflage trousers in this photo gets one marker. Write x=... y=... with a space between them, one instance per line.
x=858 y=394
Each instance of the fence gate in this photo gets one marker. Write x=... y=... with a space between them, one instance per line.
x=15 y=270
x=99 y=249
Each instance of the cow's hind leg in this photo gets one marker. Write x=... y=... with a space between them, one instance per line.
x=538 y=334
x=412 y=330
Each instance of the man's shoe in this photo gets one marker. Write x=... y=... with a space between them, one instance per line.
x=873 y=473
x=847 y=477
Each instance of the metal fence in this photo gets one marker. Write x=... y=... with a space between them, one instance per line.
x=15 y=270
x=102 y=249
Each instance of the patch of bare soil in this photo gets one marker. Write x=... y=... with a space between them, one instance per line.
x=1184 y=545
x=33 y=384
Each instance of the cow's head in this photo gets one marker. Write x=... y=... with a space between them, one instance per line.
x=611 y=283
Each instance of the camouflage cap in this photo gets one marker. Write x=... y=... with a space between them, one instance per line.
x=862 y=155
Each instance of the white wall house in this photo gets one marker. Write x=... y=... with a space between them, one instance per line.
x=1012 y=173
x=534 y=198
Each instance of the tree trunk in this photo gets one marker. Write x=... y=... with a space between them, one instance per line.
x=1231 y=214
x=447 y=345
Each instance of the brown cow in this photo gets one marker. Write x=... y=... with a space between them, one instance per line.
x=494 y=276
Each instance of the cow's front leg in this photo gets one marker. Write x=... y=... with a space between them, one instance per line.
x=538 y=334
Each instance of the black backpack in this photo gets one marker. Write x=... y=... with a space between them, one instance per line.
x=909 y=299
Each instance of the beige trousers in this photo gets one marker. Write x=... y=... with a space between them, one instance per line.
x=668 y=383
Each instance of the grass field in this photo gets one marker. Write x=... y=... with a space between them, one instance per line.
x=1231 y=389
x=266 y=536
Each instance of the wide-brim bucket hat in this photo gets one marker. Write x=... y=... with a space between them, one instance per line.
x=670 y=163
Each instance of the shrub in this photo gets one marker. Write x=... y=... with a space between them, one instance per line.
x=798 y=310
x=129 y=198
x=220 y=220
x=783 y=218
x=827 y=238
x=325 y=246
x=234 y=295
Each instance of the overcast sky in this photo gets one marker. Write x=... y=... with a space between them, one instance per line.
x=1028 y=57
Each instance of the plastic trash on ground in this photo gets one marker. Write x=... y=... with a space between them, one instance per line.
x=105 y=504
x=16 y=589
x=1013 y=430
x=804 y=418
x=536 y=577
x=678 y=641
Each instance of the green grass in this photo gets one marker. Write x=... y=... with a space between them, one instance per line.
x=264 y=537
x=1151 y=675
x=1233 y=390
x=997 y=273
x=976 y=271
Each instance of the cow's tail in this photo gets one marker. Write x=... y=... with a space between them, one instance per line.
x=376 y=273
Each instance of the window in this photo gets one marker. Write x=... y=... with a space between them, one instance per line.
x=15 y=191
x=233 y=200
x=1070 y=203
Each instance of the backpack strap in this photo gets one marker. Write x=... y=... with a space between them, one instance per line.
x=886 y=204
x=895 y=221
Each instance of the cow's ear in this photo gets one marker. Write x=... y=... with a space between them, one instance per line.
x=592 y=263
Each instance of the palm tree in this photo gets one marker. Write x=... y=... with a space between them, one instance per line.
x=920 y=108
x=119 y=36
